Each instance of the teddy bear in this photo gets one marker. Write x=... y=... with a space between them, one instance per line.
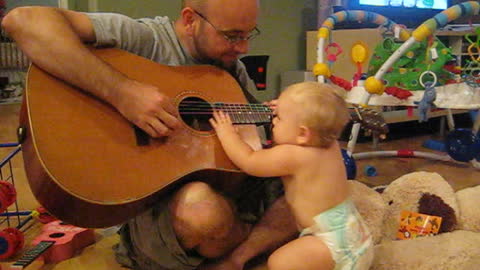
x=457 y=244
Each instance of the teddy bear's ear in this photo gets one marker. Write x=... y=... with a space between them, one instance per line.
x=433 y=205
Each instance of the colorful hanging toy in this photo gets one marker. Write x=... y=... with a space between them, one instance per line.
x=359 y=55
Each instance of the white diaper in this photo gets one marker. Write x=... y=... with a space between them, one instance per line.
x=345 y=233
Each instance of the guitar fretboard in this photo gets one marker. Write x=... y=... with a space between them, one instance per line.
x=31 y=255
x=241 y=114
x=246 y=113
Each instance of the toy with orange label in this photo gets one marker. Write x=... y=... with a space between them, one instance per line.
x=413 y=225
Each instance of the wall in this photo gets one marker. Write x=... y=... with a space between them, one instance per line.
x=283 y=24
x=16 y=3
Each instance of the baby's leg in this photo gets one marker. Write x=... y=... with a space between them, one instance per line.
x=306 y=253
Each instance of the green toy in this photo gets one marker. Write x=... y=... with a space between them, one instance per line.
x=406 y=71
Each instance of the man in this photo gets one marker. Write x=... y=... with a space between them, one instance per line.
x=196 y=222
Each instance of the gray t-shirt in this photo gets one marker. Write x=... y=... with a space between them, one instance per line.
x=154 y=39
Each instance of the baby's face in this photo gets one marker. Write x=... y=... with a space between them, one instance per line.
x=286 y=122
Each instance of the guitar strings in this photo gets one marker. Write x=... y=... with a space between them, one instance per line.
x=238 y=112
x=206 y=104
x=191 y=107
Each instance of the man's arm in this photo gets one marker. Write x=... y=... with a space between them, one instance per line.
x=54 y=40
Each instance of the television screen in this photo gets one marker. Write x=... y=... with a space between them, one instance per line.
x=410 y=13
x=430 y=4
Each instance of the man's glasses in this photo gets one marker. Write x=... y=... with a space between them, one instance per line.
x=233 y=39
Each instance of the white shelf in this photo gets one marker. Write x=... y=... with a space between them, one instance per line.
x=403 y=116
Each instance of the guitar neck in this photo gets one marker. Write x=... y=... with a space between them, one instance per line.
x=246 y=114
x=31 y=255
x=240 y=113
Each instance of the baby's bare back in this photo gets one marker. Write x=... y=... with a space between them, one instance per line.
x=318 y=184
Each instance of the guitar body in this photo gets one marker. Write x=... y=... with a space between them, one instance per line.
x=81 y=156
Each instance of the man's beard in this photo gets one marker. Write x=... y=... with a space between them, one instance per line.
x=230 y=69
x=220 y=64
x=205 y=59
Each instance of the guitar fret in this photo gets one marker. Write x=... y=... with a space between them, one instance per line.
x=232 y=114
x=31 y=255
x=252 y=115
x=256 y=116
x=238 y=113
x=261 y=115
x=243 y=113
x=243 y=110
x=248 y=117
x=243 y=117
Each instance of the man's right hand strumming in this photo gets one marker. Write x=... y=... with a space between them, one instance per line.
x=146 y=107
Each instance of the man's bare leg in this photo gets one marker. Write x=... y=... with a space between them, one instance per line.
x=206 y=221
x=274 y=229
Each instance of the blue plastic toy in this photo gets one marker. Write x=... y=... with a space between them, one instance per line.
x=350 y=165
x=435 y=145
x=462 y=145
x=370 y=170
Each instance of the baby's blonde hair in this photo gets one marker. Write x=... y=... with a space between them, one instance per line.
x=321 y=109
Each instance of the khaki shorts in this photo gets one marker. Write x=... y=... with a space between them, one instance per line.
x=148 y=242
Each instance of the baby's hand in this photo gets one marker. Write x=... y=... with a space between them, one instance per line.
x=272 y=104
x=222 y=123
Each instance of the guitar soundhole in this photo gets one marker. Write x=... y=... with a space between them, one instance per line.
x=56 y=235
x=196 y=112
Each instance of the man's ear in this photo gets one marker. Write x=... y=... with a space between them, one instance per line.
x=188 y=18
x=304 y=135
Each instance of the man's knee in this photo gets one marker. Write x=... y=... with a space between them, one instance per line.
x=200 y=213
x=194 y=192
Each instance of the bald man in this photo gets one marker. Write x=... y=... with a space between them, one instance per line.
x=196 y=222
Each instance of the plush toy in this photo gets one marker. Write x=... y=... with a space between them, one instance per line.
x=457 y=244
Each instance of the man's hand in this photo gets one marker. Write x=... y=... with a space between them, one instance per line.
x=222 y=124
x=149 y=109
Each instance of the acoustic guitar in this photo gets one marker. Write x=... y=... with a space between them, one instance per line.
x=89 y=167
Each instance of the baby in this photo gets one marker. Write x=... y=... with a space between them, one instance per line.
x=307 y=156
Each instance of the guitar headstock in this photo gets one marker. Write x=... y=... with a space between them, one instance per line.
x=371 y=120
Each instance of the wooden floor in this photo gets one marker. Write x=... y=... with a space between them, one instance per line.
x=100 y=255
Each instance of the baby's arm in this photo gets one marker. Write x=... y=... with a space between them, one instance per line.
x=276 y=161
